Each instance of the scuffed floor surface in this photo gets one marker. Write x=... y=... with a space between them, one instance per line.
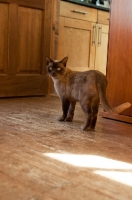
x=43 y=159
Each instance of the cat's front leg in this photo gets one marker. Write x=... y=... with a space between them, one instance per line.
x=65 y=108
x=71 y=112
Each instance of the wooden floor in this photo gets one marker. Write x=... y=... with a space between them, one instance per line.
x=43 y=159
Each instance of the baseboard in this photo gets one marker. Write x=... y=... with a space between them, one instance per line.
x=118 y=117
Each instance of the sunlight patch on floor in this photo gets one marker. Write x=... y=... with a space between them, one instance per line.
x=90 y=161
x=113 y=169
x=121 y=177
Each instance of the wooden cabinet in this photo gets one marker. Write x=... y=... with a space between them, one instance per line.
x=25 y=41
x=83 y=37
x=119 y=67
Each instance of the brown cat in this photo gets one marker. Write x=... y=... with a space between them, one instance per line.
x=87 y=87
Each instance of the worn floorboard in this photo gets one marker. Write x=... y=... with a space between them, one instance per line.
x=44 y=159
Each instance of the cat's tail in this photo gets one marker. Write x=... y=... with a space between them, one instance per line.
x=105 y=103
x=121 y=107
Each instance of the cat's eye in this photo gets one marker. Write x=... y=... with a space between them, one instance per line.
x=58 y=68
x=50 y=68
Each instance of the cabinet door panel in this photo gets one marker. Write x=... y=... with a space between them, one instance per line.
x=75 y=41
x=101 y=48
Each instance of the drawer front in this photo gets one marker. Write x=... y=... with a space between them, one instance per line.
x=78 y=12
x=103 y=17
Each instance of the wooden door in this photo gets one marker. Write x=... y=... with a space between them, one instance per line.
x=24 y=44
x=76 y=40
x=119 y=67
x=119 y=72
x=101 y=48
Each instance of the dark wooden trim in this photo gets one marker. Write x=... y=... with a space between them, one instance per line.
x=47 y=36
x=118 y=117
x=54 y=38
x=22 y=86
x=55 y=28
x=13 y=38
x=51 y=31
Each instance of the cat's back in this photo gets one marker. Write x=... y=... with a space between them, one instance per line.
x=87 y=77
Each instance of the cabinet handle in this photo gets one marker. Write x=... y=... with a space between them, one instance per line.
x=94 y=34
x=100 y=35
x=79 y=11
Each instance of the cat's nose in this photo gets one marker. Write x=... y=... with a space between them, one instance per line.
x=52 y=73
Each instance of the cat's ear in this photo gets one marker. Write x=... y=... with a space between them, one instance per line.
x=64 y=61
x=48 y=60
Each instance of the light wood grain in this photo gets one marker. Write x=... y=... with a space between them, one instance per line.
x=103 y=17
x=75 y=41
x=66 y=10
x=101 y=48
x=29 y=129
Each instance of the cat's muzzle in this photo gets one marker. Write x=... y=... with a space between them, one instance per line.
x=52 y=73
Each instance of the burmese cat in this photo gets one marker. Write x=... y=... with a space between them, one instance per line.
x=87 y=87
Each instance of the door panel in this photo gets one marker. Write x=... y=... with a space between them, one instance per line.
x=22 y=48
x=75 y=41
x=29 y=46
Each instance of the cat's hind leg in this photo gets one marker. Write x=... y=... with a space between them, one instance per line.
x=88 y=113
x=65 y=108
x=71 y=112
x=95 y=109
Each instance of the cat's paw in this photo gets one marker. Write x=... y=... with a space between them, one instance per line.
x=68 y=119
x=92 y=128
x=61 y=119
x=84 y=128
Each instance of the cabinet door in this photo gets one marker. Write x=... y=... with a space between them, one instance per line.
x=76 y=40
x=101 y=47
x=22 y=47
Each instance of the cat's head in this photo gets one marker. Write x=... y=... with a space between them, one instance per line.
x=56 y=68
